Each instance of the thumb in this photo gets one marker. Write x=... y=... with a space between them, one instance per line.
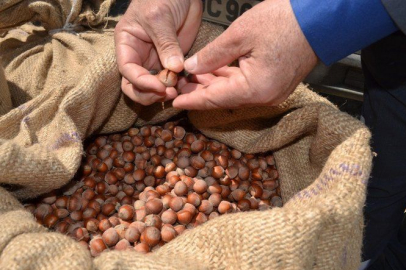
x=226 y=48
x=164 y=37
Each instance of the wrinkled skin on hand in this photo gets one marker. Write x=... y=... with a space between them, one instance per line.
x=273 y=54
x=150 y=33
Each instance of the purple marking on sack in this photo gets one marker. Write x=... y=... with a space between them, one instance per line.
x=76 y=135
x=23 y=109
x=365 y=180
x=26 y=119
x=65 y=138
x=314 y=191
x=333 y=174
x=344 y=255
x=306 y=194
x=354 y=169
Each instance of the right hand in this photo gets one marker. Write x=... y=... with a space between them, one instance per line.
x=154 y=34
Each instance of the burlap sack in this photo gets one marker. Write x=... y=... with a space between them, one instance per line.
x=62 y=87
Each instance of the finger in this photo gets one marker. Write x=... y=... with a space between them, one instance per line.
x=142 y=79
x=182 y=81
x=129 y=63
x=226 y=71
x=143 y=98
x=202 y=78
x=171 y=93
x=195 y=97
x=190 y=87
x=222 y=51
x=162 y=31
x=188 y=31
x=213 y=96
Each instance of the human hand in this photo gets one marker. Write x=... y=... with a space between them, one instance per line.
x=273 y=54
x=150 y=33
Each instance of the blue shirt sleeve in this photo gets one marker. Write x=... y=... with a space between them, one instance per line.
x=337 y=28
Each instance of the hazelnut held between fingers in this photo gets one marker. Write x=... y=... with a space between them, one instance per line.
x=168 y=77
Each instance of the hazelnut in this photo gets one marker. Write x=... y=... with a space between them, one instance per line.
x=110 y=237
x=152 y=236
x=91 y=224
x=97 y=246
x=108 y=209
x=213 y=215
x=224 y=207
x=200 y=219
x=176 y=204
x=126 y=212
x=206 y=207
x=123 y=244
x=61 y=213
x=215 y=199
x=104 y=225
x=232 y=172
x=243 y=173
x=139 y=175
x=197 y=146
x=142 y=248
x=217 y=172
x=215 y=188
x=114 y=221
x=183 y=162
x=168 y=233
x=140 y=214
x=180 y=188
x=189 y=207
x=200 y=186
x=244 y=205
x=179 y=132
x=50 y=220
x=168 y=77
x=179 y=229
x=153 y=220
x=238 y=194
x=169 y=216
x=153 y=206
x=194 y=199
x=277 y=201
x=184 y=217
x=62 y=227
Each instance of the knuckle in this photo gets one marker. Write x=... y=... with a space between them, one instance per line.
x=117 y=29
x=155 y=13
x=123 y=85
x=209 y=55
x=144 y=102
x=167 y=45
x=239 y=33
x=141 y=100
x=121 y=68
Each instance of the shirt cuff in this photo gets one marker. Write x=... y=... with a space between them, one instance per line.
x=337 y=28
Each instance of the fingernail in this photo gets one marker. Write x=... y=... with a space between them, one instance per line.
x=173 y=63
x=191 y=63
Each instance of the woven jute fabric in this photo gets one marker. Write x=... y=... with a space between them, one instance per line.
x=61 y=85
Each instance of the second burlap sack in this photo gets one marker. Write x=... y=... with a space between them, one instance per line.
x=63 y=87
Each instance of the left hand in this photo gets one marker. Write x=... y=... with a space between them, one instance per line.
x=273 y=54
x=154 y=34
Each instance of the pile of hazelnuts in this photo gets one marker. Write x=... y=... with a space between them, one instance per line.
x=142 y=188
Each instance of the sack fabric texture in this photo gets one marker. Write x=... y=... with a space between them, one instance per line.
x=61 y=84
